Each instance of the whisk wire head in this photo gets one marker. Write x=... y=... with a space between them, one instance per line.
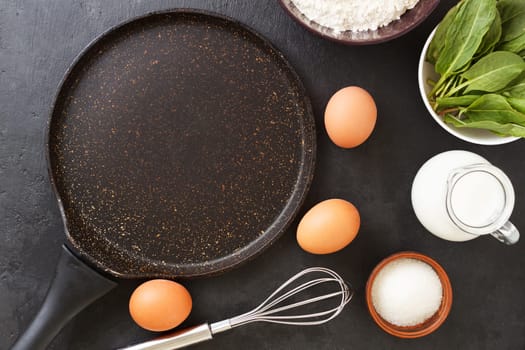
x=267 y=310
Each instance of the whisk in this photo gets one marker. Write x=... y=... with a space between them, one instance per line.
x=269 y=310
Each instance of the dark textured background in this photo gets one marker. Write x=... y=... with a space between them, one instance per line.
x=38 y=40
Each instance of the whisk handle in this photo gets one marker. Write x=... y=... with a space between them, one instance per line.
x=176 y=340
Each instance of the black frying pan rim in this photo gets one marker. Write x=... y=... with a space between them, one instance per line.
x=289 y=212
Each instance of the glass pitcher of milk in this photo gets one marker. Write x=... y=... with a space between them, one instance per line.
x=459 y=195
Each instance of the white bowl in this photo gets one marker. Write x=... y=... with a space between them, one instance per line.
x=478 y=136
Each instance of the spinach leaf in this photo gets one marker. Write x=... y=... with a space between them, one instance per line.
x=491 y=38
x=464 y=35
x=453 y=102
x=517 y=103
x=492 y=107
x=493 y=72
x=516 y=88
x=503 y=129
x=512 y=18
x=438 y=41
x=515 y=45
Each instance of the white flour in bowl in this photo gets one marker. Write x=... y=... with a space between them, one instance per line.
x=354 y=15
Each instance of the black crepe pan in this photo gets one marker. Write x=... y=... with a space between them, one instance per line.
x=180 y=144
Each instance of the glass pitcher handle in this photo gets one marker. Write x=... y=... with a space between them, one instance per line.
x=507 y=234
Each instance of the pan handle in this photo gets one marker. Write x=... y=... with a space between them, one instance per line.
x=75 y=286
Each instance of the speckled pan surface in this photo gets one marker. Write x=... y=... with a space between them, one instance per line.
x=180 y=144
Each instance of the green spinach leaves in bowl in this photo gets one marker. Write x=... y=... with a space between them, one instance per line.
x=478 y=53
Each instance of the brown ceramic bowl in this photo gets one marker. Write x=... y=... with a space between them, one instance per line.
x=408 y=21
x=429 y=325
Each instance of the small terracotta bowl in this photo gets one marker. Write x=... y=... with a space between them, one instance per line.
x=429 y=325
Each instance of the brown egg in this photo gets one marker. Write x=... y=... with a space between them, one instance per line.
x=328 y=227
x=159 y=305
x=350 y=117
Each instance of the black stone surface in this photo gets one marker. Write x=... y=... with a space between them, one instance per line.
x=38 y=41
